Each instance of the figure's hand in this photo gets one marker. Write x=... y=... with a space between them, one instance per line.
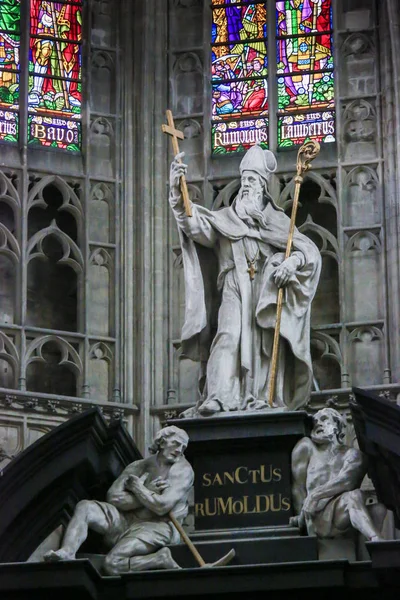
x=159 y=485
x=298 y=521
x=311 y=504
x=284 y=272
x=177 y=170
x=133 y=482
x=294 y=521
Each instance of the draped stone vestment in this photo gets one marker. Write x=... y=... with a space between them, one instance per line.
x=237 y=369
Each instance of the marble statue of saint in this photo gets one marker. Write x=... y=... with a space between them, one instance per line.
x=245 y=243
x=327 y=476
x=134 y=520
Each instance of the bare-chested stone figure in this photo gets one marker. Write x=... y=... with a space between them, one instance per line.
x=327 y=476
x=134 y=520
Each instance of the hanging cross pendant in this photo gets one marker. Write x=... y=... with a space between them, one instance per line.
x=252 y=269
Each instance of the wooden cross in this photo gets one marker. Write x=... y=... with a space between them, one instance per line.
x=252 y=269
x=175 y=134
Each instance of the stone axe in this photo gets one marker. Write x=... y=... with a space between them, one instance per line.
x=218 y=563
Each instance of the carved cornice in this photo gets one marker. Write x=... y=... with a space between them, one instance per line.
x=339 y=399
x=42 y=404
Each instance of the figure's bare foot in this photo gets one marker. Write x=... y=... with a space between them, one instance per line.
x=57 y=555
x=166 y=560
x=377 y=538
x=209 y=407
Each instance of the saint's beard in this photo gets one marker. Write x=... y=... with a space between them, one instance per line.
x=248 y=209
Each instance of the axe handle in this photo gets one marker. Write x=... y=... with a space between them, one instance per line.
x=186 y=539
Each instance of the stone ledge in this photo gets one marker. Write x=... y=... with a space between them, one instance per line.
x=65 y=406
x=80 y=580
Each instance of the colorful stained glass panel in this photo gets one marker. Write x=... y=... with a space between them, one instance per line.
x=236 y=99
x=51 y=20
x=295 y=18
x=55 y=63
x=237 y=23
x=312 y=90
x=9 y=66
x=10 y=15
x=55 y=57
x=246 y=62
x=9 y=125
x=54 y=132
x=237 y=136
x=294 y=130
x=9 y=51
x=296 y=55
x=9 y=89
x=58 y=96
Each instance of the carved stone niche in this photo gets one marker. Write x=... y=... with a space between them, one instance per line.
x=359 y=131
x=102 y=145
x=192 y=145
x=100 y=210
x=187 y=84
x=362 y=203
x=358 y=62
x=102 y=97
x=100 y=274
x=103 y=23
x=363 y=276
x=100 y=367
x=185 y=19
x=366 y=355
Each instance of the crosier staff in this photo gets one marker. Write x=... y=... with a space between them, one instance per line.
x=305 y=155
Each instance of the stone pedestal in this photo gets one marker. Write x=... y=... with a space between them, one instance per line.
x=242 y=488
x=242 y=468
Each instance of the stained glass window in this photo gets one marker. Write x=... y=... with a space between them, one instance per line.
x=9 y=69
x=55 y=63
x=239 y=75
x=305 y=78
x=301 y=76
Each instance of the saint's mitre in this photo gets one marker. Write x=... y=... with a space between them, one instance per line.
x=260 y=161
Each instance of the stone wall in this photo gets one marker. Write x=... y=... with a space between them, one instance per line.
x=104 y=328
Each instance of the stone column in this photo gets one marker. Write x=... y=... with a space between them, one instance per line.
x=146 y=210
x=390 y=92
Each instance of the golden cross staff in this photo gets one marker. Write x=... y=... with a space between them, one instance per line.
x=175 y=134
x=305 y=155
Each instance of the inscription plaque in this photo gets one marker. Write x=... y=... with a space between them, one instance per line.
x=242 y=466
x=242 y=490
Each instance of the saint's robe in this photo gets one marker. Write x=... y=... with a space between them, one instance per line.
x=237 y=368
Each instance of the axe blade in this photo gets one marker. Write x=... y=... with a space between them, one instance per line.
x=222 y=561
